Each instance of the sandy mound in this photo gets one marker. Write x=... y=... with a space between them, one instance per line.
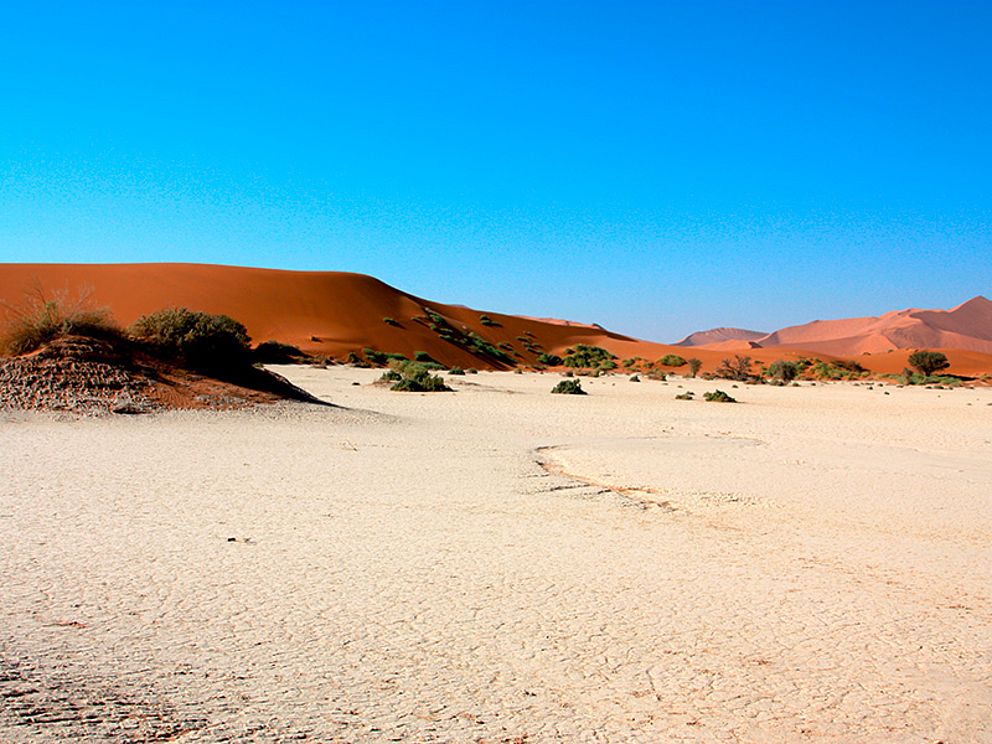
x=94 y=376
x=82 y=375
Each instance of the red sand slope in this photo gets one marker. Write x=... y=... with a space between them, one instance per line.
x=334 y=313
x=967 y=326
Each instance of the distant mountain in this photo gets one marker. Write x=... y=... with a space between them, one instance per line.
x=720 y=336
x=967 y=326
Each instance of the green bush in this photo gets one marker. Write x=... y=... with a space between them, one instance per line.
x=718 y=396
x=568 y=387
x=688 y=395
x=274 y=352
x=381 y=358
x=738 y=368
x=41 y=319
x=928 y=362
x=487 y=321
x=783 y=370
x=423 y=356
x=583 y=355
x=694 y=366
x=414 y=377
x=456 y=371
x=635 y=378
x=672 y=360
x=551 y=360
x=390 y=321
x=205 y=342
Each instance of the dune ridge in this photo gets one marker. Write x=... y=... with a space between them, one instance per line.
x=336 y=313
x=967 y=327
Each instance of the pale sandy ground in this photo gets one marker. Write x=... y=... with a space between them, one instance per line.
x=812 y=565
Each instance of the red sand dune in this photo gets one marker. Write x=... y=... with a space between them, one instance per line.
x=334 y=313
x=329 y=313
x=967 y=326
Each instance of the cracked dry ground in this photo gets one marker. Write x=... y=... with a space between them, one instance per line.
x=499 y=564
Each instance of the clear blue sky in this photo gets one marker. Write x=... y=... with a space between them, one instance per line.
x=654 y=167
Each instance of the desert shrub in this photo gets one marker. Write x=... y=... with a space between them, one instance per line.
x=568 y=387
x=928 y=362
x=355 y=360
x=551 y=360
x=390 y=375
x=694 y=365
x=738 y=368
x=472 y=371
x=377 y=358
x=783 y=371
x=414 y=377
x=390 y=321
x=849 y=365
x=635 y=378
x=487 y=321
x=40 y=319
x=422 y=356
x=203 y=341
x=688 y=395
x=718 y=396
x=456 y=371
x=672 y=360
x=583 y=355
x=657 y=374
x=274 y=352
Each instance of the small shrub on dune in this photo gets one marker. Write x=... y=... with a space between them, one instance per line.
x=413 y=377
x=738 y=368
x=568 y=387
x=928 y=362
x=551 y=360
x=472 y=371
x=672 y=360
x=390 y=321
x=456 y=371
x=718 y=396
x=688 y=395
x=274 y=352
x=635 y=378
x=694 y=366
x=783 y=371
x=205 y=342
x=41 y=319
x=583 y=355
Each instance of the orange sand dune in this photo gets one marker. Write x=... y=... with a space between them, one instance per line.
x=331 y=313
x=334 y=313
x=967 y=326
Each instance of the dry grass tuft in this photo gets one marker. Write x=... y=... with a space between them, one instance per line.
x=41 y=318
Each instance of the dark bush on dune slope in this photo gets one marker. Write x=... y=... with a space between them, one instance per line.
x=209 y=343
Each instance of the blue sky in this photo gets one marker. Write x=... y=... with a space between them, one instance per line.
x=654 y=167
